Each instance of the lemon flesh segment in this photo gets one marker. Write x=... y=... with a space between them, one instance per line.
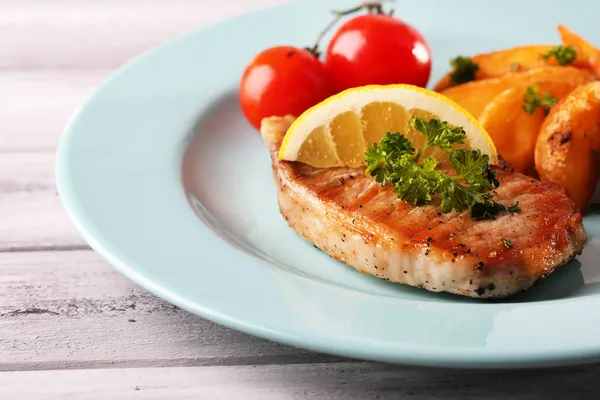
x=338 y=131
x=346 y=132
x=381 y=117
x=318 y=150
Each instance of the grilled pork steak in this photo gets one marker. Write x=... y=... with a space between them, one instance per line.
x=357 y=221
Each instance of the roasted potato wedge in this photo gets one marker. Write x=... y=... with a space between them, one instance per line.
x=564 y=152
x=513 y=130
x=475 y=96
x=502 y=62
x=588 y=55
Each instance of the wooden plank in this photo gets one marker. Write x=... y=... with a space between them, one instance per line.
x=54 y=53
x=69 y=309
x=31 y=214
x=36 y=105
x=302 y=381
x=100 y=34
x=36 y=221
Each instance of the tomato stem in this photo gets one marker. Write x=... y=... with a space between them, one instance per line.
x=371 y=6
x=315 y=48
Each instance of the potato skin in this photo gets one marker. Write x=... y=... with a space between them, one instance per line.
x=475 y=96
x=588 y=55
x=514 y=131
x=569 y=135
x=498 y=63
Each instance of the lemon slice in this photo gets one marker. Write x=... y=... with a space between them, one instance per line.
x=338 y=131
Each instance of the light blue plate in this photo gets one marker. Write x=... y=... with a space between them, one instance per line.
x=211 y=240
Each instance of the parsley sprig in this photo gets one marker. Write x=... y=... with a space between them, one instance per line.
x=564 y=55
x=464 y=70
x=531 y=101
x=393 y=161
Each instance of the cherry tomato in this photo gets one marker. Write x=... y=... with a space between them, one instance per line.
x=377 y=49
x=283 y=80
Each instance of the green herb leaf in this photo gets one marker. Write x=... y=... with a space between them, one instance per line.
x=392 y=161
x=454 y=196
x=414 y=183
x=564 y=55
x=464 y=70
x=514 y=208
x=484 y=207
x=473 y=167
x=531 y=101
x=380 y=157
x=438 y=133
x=506 y=242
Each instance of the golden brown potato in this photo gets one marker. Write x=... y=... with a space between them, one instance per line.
x=569 y=135
x=475 y=96
x=515 y=131
x=587 y=54
x=502 y=62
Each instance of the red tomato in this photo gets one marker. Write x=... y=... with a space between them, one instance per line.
x=283 y=80
x=377 y=49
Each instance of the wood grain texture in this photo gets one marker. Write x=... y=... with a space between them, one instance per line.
x=303 y=381
x=93 y=34
x=71 y=327
x=65 y=310
x=54 y=53
x=35 y=105
x=31 y=214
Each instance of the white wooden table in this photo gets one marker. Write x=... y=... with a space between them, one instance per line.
x=73 y=328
